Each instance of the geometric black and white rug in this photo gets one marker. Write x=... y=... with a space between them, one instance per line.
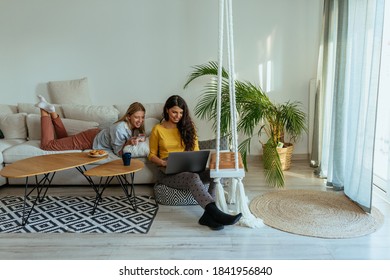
x=59 y=214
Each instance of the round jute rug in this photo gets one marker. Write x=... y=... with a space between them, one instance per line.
x=315 y=213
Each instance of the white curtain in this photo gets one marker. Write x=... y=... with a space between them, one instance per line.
x=347 y=93
x=382 y=141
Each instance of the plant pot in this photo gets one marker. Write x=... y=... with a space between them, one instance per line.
x=285 y=155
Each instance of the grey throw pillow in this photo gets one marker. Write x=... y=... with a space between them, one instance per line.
x=210 y=144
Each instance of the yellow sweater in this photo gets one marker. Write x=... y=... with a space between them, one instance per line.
x=163 y=140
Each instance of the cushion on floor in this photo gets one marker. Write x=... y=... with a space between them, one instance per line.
x=169 y=196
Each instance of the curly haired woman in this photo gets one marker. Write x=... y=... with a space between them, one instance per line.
x=177 y=133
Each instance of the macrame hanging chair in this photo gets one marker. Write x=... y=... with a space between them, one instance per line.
x=229 y=164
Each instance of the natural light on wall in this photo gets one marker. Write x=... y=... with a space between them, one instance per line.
x=265 y=70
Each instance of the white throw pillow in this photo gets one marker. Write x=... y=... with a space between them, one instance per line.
x=104 y=115
x=140 y=150
x=69 y=92
x=72 y=126
x=8 y=109
x=13 y=126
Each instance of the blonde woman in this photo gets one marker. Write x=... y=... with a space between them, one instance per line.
x=113 y=138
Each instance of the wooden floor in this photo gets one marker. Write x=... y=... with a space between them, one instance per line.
x=175 y=233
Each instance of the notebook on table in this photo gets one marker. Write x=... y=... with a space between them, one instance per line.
x=191 y=161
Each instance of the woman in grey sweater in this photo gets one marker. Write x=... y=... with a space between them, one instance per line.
x=113 y=138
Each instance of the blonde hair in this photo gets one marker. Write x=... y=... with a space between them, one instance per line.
x=133 y=108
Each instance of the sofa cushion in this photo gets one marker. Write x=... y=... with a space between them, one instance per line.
x=76 y=126
x=13 y=126
x=153 y=110
x=28 y=149
x=7 y=143
x=8 y=109
x=30 y=108
x=69 y=92
x=176 y=197
x=71 y=126
x=104 y=115
x=3 y=180
x=149 y=124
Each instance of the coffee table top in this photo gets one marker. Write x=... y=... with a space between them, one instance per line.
x=46 y=164
x=115 y=168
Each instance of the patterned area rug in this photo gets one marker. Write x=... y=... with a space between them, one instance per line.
x=73 y=214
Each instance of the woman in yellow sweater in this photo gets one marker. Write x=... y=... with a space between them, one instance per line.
x=177 y=133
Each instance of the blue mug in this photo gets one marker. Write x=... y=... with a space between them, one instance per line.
x=126 y=157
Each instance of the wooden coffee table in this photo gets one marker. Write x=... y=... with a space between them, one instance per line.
x=116 y=169
x=46 y=165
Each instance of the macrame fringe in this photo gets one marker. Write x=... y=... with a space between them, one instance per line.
x=248 y=219
x=220 y=199
x=231 y=194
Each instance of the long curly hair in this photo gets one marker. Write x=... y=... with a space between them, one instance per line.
x=186 y=126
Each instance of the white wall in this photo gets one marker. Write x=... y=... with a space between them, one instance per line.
x=143 y=50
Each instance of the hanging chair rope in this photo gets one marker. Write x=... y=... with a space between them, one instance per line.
x=237 y=192
x=232 y=87
x=232 y=93
x=219 y=87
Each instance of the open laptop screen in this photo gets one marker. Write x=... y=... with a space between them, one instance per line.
x=192 y=161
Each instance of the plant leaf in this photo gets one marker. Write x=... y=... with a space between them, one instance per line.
x=209 y=68
x=274 y=175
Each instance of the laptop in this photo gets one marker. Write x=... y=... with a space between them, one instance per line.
x=191 y=161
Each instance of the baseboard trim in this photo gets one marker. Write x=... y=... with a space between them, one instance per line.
x=294 y=157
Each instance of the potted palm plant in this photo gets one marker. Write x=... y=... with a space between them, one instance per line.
x=255 y=109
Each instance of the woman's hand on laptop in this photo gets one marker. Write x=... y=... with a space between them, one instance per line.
x=163 y=163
